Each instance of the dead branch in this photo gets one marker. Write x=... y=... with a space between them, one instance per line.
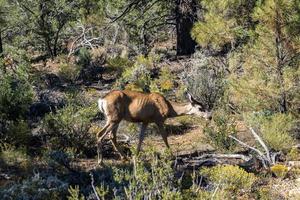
x=261 y=142
x=226 y=156
x=84 y=40
x=93 y=186
x=246 y=145
x=267 y=158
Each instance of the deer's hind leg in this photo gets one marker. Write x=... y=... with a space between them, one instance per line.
x=114 y=142
x=107 y=129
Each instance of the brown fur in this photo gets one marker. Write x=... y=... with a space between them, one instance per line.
x=140 y=107
x=136 y=106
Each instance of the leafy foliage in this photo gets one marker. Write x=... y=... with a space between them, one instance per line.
x=68 y=129
x=74 y=193
x=218 y=131
x=137 y=77
x=16 y=94
x=69 y=72
x=36 y=187
x=279 y=170
x=225 y=22
x=205 y=81
x=164 y=83
x=230 y=178
x=276 y=130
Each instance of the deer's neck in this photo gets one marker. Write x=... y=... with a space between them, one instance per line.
x=178 y=109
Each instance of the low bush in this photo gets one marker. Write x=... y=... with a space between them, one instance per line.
x=137 y=77
x=69 y=72
x=164 y=83
x=276 y=132
x=68 y=129
x=18 y=133
x=119 y=65
x=205 y=79
x=279 y=170
x=276 y=129
x=218 y=131
x=74 y=193
x=230 y=178
x=10 y=156
x=16 y=94
x=36 y=187
x=84 y=57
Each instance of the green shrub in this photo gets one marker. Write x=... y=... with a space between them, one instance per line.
x=218 y=131
x=276 y=132
x=12 y=156
x=84 y=57
x=74 y=193
x=230 y=178
x=276 y=129
x=36 y=187
x=69 y=72
x=147 y=180
x=293 y=154
x=16 y=94
x=137 y=77
x=68 y=129
x=18 y=133
x=119 y=64
x=164 y=83
x=205 y=79
x=279 y=170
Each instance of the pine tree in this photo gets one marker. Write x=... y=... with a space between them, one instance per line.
x=264 y=50
x=2 y=24
x=270 y=77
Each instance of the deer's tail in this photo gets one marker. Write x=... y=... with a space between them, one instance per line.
x=102 y=105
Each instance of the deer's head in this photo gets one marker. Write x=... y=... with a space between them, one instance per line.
x=198 y=109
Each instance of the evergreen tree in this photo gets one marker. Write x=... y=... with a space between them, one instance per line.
x=270 y=77
x=45 y=21
x=264 y=67
x=151 y=20
x=3 y=16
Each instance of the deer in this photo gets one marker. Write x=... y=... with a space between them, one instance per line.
x=143 y=108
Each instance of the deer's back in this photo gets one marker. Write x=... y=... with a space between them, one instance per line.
x=136 y=106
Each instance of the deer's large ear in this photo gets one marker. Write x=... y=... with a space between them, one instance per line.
x=193 y=100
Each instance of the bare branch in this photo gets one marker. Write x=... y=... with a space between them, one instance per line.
x=128 y=8
x=229 y=156
x=261 y=142
x=246 y=145
x=93 y=186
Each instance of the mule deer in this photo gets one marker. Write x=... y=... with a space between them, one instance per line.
x=144 y=108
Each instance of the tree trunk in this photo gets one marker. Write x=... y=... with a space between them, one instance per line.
x=186 y=15
x=283 y=107
x=1 y=47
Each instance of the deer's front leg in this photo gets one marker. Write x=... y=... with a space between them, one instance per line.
x=163 y=133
